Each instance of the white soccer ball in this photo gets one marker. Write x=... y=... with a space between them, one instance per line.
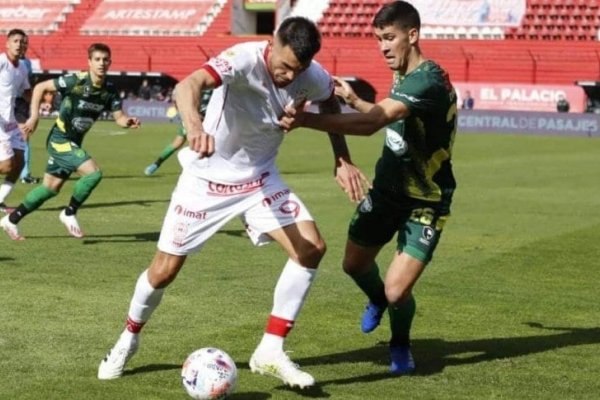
x=209 y=374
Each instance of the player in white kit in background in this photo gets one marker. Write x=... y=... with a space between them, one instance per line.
x=229 y=170
x=14 y=79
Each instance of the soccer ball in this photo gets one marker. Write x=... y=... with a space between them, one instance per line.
x=209 y=374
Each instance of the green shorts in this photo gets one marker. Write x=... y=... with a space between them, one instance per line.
x=65 y=156
x=418 y=224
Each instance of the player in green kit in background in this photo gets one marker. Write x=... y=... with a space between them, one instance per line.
x=413 y=184
x=85 y=96
x=179 y=140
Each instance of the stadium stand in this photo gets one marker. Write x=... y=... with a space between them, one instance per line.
x=552 y=41
x=151 y=17
x=38 y=17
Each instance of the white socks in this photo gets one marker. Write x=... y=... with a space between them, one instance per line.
x=145 y=299
x=291 y=290
x=288 y=298
x=5 y=189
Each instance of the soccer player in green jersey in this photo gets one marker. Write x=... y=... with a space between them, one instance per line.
x=179 y=140
x=85 y=96
x=414 y=183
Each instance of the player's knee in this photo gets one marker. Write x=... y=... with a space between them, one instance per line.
x=163 y=271
x=6 y=167
x=396 y=294
x=311 y=253
x=351 y=267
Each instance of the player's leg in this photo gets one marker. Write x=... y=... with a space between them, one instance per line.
x=403 y=273
x=167 y=152
x=147 y=295
x=26 y=171
x=185 y=230
x=34 y=199
x=305 y=248
x=90 y=177
x=373 y=224
x=359 y=263
x=281 y=216
x=11 y=173
x=417 y=241
x=26 y=157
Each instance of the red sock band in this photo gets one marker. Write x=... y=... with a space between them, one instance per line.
x=134 y=327
x=279 y=326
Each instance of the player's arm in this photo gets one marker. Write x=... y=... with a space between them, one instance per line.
x=34 y=107
x=348 y=176
x=369 y=119
x=125 y=121
x=187 y=95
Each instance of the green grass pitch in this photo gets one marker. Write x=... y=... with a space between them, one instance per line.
x=508 y=309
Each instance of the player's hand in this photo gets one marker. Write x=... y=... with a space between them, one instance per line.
x=351 y=179
x=133 y=123
x=345 y=91
x=202 y=143
x=28 y=127
x=293 y=116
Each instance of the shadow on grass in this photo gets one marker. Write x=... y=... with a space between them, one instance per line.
x=432 y=356
x=128 y=237
x=142 y=203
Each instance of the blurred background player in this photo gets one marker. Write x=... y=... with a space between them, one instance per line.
x=85 y=96
x=14 y=80
x=22 y=114
x=414 y=183
x=179 y=139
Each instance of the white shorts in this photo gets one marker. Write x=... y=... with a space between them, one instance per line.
x=10 y=140
x=199 y=208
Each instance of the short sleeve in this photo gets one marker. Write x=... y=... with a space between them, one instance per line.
x=321 y=83
x=65 y=83
x=233 y=63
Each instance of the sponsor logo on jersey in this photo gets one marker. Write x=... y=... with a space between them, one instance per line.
x=366 y=205
x=395 y=142
x=179 y=233
x=82 y=124
x=412 y=99
x=86 y=105
x=184 y=212
x=427 y=234
x=290 y=207
x=222 y=65
x=222 y=189
x=267 y=201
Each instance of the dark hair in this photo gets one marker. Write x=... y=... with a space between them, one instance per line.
x=404 y=15
x=98 y=47
x=303 y=37
x=14 y=32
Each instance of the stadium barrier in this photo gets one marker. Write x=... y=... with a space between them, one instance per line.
x=529 y=123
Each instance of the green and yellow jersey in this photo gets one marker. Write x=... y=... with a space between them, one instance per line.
x=416 y=157
x=82 y=103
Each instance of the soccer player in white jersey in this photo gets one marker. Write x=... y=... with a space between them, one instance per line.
x=14 y=79
x=229 y=170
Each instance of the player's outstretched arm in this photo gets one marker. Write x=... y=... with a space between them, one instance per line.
x=34 y=108
x=351 y=179
x=125 y=120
